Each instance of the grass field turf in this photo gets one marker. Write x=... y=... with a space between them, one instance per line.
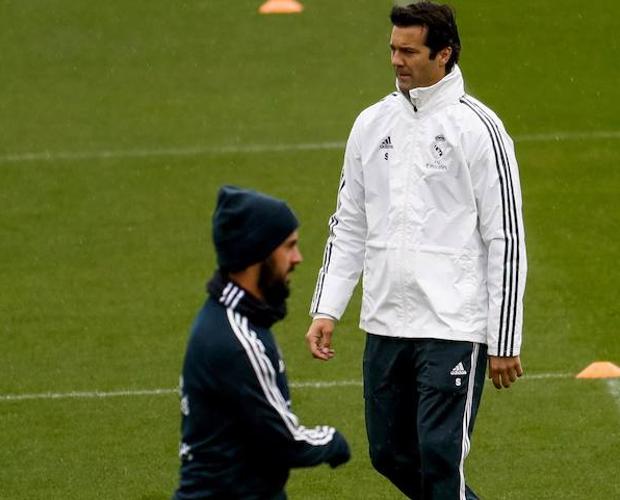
x=103 y=261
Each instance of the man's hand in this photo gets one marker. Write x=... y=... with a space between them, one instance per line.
x=319 y=338
x=342 y=453
x=504 y=371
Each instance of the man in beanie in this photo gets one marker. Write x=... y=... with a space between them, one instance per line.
x=239 y=435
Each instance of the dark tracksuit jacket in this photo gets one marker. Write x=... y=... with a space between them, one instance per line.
x=239 y=435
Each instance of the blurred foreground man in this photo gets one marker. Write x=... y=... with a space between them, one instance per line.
x=239 y=435
x=429 y=210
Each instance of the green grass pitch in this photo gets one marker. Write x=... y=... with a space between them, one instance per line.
x=119 y=121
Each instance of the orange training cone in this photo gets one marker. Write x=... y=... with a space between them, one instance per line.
x=281 y=7
x=600 y=369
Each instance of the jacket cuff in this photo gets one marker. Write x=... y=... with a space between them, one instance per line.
x=320 y=315
x=332 y=295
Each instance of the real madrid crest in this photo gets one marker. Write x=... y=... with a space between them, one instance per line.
x=439 y=148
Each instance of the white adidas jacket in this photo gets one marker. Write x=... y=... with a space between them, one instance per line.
x=429 y=209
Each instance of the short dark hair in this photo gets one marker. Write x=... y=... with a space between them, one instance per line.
x=440 y=21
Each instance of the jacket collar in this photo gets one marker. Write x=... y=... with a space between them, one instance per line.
x=232 y=296
x=446 y=91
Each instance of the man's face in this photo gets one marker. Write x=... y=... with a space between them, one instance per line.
x=411 y=58
x=275 y=272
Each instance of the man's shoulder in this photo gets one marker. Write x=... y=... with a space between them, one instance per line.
x=212 y=333
x=224 y=333
x=478 y=111
x=388 y=102
x=478 y=124
x=380 y=110
x=222 y=349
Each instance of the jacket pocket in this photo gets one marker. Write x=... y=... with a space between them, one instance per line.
x=446 y=283
x=382 y=278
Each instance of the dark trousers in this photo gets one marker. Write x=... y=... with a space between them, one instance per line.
x=421 y=399
x=280 y=495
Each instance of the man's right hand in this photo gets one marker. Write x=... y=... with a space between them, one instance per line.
x=319 y=338
x=504 y=370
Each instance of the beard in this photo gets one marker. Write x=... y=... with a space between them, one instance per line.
x=275 y=288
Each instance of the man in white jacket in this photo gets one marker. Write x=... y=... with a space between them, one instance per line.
x=429 y=212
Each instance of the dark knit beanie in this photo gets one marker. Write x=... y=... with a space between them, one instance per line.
x=248 y=226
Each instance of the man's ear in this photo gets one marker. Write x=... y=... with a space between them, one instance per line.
x=444 y=55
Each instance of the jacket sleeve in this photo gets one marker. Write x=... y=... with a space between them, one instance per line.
x=266 y=415
x=343 y=258
x=495 y=178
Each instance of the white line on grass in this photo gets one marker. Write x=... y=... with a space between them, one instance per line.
x=86 y=394
x=260 y=148
x=613 y=387
x=170 y=152
x=541 y=376
x=327 y=383
x=568 y=136
x=311 y=384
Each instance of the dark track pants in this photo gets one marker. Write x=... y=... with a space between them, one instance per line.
x=421 y=399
